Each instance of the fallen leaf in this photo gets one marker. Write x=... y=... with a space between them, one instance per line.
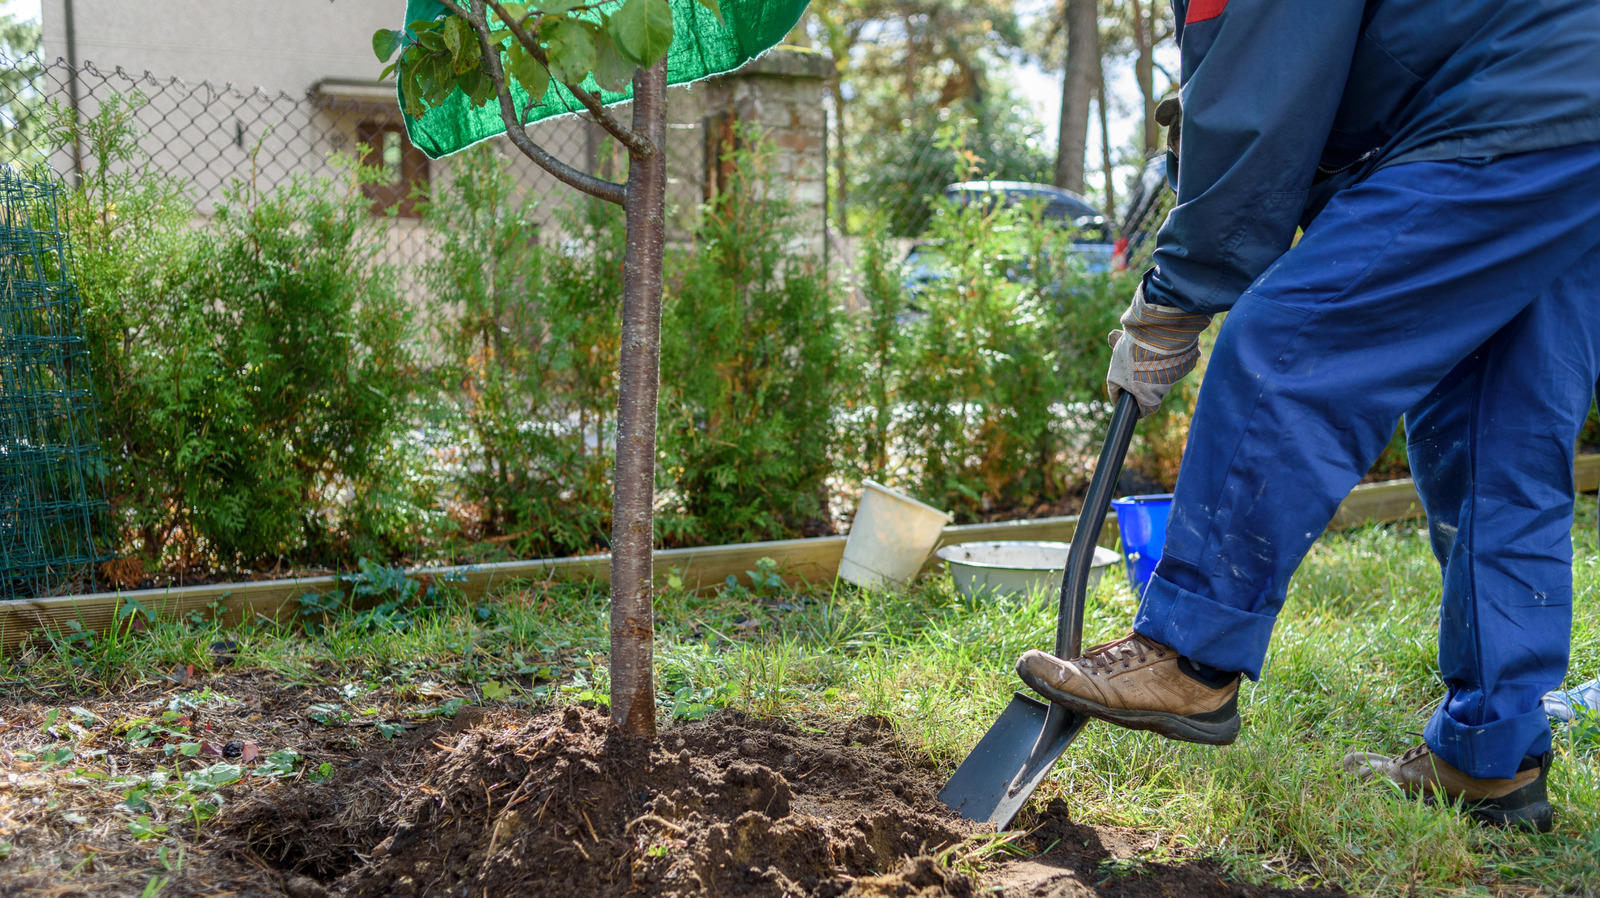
x=249 y=752
x=209 y=750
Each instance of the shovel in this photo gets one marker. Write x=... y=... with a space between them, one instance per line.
x=1010 y=761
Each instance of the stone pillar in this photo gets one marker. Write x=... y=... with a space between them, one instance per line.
x=782 y=94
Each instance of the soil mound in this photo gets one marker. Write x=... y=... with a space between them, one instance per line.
x=552 y=806
x=736 y=806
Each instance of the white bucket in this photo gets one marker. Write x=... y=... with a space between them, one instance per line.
x=890 y=537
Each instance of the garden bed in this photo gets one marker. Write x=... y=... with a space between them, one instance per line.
x=506 y=802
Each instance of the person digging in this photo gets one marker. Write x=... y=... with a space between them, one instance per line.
x=1440 y=157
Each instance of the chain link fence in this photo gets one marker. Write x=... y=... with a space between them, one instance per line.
x=210 y=136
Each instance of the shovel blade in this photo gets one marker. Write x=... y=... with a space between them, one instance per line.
x=991 y=785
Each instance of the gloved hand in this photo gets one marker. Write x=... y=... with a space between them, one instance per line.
x=1157 y=346
x=1169 y=115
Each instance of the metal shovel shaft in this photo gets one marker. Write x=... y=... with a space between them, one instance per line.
x=1075 y=585
x=1096 y=505
x=995 y=779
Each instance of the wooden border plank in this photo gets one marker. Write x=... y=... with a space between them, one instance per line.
x=812 y=560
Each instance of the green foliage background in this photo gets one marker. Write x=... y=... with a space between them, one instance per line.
x=269 y=398
x=249 y=373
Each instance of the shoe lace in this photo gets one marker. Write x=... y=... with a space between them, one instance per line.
x=1411 y=754
x=1132 y=647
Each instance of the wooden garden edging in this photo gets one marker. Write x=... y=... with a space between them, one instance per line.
x=816 y=560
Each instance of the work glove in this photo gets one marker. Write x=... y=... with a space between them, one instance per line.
x=1156 y=347
x=1169 y=115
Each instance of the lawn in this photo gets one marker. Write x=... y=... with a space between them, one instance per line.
x=141 y=761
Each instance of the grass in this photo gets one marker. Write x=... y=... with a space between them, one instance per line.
x=1352 y=666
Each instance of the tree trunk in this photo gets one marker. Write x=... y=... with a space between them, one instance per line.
x=1105 y=144
x=1077 y=86
x=632 y=531
x=1145 y=70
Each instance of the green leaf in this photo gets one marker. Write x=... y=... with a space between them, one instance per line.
x=716 y=9
x=143 y=829
x=495 y=691
x=279 y=763
x=516 y=11
x=454 y=36
x=478 y=87
x=438 y=78
x=385 y=42
x=570 y=50
x=412 y=90
x=214 y=777
x=527 y=71
x=433 y=40
x=559 y=6
x=612 y=70
x=642 y=30
x=470 y=55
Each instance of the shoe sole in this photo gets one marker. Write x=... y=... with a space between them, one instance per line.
x=1536 y=816
x=1219 y=727
x=1527 y=808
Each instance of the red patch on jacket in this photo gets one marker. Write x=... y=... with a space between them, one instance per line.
x=1201 y=10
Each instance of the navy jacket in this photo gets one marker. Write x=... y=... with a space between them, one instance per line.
x=1287 y=101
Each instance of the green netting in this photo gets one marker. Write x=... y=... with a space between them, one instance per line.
x=701 y=47
x=50 y=466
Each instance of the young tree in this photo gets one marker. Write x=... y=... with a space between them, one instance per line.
x=518 y=58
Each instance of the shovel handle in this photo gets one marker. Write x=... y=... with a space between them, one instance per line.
x=1075 y=584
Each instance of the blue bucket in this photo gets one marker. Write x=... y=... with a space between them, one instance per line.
x=1142 y=521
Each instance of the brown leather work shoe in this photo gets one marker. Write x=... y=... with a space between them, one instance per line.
x=1520 y=801
x=1139 y=684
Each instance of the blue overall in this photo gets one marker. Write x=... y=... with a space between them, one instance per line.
x=1448 y=273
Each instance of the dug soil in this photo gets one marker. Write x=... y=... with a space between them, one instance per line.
x=550 y=805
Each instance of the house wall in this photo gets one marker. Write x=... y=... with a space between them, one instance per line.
x=285 y=45
x=231 y=92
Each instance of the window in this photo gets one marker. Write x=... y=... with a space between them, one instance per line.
x=404 y=168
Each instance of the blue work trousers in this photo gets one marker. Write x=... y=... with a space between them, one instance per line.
x=1465 y=296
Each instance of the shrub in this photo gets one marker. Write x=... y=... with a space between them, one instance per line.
x=750 y=354
x=874 y=348
x=997 y=382
x=251 y=373
x=530 y=342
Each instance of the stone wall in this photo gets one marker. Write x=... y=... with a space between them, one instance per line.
x=781 y=97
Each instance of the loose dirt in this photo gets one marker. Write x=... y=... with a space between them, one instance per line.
x=320 y=792
x=550 y=805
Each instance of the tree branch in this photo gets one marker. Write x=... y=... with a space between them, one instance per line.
x=600 y=188
x=629 y=138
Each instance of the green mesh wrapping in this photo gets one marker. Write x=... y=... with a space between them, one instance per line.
x=51 y=475
x=701 y=47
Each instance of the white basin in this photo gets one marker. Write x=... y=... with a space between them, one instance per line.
x=1016 y=567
